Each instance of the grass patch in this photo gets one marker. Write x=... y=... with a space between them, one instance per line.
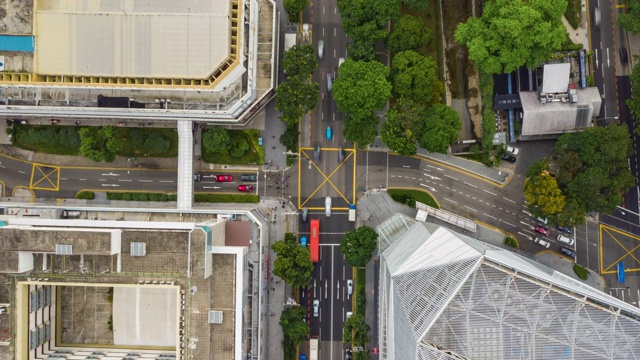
x=581 y=272
x=361 y=297
x=411 y=196
x=253 y=156
x=136 y=148
x=509 y=241
x=431 y=17
x=573 y=12
x=86 y=195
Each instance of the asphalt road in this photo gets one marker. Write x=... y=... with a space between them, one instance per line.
x=602 y=40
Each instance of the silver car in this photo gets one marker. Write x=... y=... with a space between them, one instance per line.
x=320 y=48
x=316 y=307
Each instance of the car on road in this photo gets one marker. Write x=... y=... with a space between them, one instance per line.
x=316 y=307
x=565 y=229
x=327 y=206
x=21 y=122
x=568 y=252
x=340 y=61
x=565 y=239
x=349 y=314
x=245 y=188
x=542 y=220
x=350 y=286
x=329 y=133
x=316 y=154
x=542 y=242
x=305 y=213
x=543 y=230
x=197 y=177
x=508 y=158
x=224 y=178
x=340 y=154
x=303 y=356
x=303 y=241
x=320 y=48
x=248 y=177
x=329 y=82
x=512 y=150
x=596 y=17
x=347 y=354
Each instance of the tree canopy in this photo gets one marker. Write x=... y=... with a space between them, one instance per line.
x=357 y=245
x=293 y=263
x=366 y=20
x=543 y=192
x=299 y=61
x=294 y=7
x=294 y=330
x=512 y=33
x=440 y=129
x=296 y=97
x=630 y=20
x=362 y=50
x=361 y=88
x=634 y=101
x=409 y=33
x=361 y=131
x=99 y=145
x=415 y=76
x=357 y=327
x=395 y=136
x=416 y=4
x=216 y=139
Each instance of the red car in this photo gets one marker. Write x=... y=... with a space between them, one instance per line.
x=543 y=230
x=245 y=188
x=224 y=178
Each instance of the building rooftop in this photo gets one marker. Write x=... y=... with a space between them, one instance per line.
x=555 y=78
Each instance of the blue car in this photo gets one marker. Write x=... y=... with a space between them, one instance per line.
x=329 y=133
x=303 y=357
x=303 y=241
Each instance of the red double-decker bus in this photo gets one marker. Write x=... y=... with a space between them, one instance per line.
x=314 y=235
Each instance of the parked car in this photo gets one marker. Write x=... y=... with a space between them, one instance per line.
x=565 y=229
x=543 y=230
x=316 y=307
x=512 y=150
x=303 y=241
x=508 y=158
x=245 y=188
x=567 y=240
x=568 y=252
x=542 y=220
x=320 y=48
x=350 y=286
x=224 y=178
x=542 y=242
x=248 y=177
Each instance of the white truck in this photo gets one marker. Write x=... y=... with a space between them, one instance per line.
x=352 y=212
x=289 y=40
x=313 y=348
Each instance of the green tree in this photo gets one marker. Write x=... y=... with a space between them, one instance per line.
x=289 y=138
x=216 y=139
x=99 y=145
x=295 y=98
x=136 y=138
x=361 y=88
x=356 y=331
x=569 y=164
x=415 y=77
x=357 y=245
x=239 y=147
x=366 y=20
x=409 y=33
x=156 y=143
x=416 y=4
x=440 y=129
x=395 y=136
x=543 y=192
x=572 y=214
x=362 y=50
x=634 y=101
x=630 y=20
x=293 y=262
x=360 y=131
x=294 y=330
x=512 y=33
x=294 y=7
x=299 y=61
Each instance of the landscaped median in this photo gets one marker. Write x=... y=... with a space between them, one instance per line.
x=409 y=197
x=141 y=196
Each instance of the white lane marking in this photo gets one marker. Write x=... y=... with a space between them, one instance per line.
x=123 y=180
x=473 y=186
x=450 y=200
x=525 y=235
x=485 y=214
x=508 y=223
x=432 y=177
x=472 y=209
x=526 y=212
x=110 y=185
x=2 y=166
x=429 y=187
x=406 y=166
x=450 y=177
x=489 y=192
x=145 y=180
x=166 y=181
x=508 y=199
x=22 y=172
x=64 y=179
x=437 y=168
x=102 y=179
x=82 y=179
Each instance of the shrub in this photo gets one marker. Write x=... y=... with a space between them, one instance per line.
x=581 y=272
x=86 y=195
x=226 y=198
x=509 y=241
x=239 y=147
x=156 y=143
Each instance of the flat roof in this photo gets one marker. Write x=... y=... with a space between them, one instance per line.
x=131 y=38
x=555 y=78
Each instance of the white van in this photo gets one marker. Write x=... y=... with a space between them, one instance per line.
x=567 y=240
x=327 y=206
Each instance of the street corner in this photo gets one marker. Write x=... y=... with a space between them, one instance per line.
x=44 y=177
x=616 y=247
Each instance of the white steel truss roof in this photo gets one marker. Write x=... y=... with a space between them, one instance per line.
x=445 y=297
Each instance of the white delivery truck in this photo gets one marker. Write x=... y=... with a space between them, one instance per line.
x=352 y=212
x=313 y=348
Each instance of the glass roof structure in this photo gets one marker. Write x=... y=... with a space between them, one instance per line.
x=447 y=296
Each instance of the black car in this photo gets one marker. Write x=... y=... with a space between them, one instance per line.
x=248 y=177
x=509 y=158
x=568 y=252
x=565 y=229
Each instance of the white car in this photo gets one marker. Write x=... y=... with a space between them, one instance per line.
x=512 y=150
x=349 y=314
x=340 y=61
x=350 y=286
x=316 y=307
x=542 y=242
x=320 y=48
